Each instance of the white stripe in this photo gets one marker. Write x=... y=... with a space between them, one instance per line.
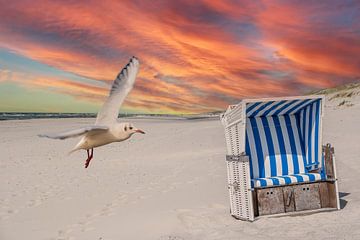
x=306 y=178
x=293 y=179
x=254 y=157
x=317 y=176
x=297 y=144
x=306 y=134
x=255 y=108
x=266 y=108
x=248 y=105
x=275 y=140
x=264 y=147
x=301 y=117
x=288 y=108
x=319 y=148
x=277 y=108
x=285 y=134
x=302 y=105
x=281 y=180
x=269 y=182
x=313 y=135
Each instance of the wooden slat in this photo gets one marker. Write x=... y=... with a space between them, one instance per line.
x=307 y=196
x=289 y=199
x=332 y=194
x=255 y=203
x=270 y=201
x=324 y=195
x=329 y=161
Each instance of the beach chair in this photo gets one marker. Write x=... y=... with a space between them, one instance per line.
x=276 y=161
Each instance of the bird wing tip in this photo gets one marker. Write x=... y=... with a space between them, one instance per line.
x=134 y=59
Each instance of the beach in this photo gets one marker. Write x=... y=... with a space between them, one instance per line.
x=168 y=184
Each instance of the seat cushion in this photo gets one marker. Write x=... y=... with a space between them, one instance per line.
x=286 y=180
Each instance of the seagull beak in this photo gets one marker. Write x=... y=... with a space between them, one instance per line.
x=140 y=131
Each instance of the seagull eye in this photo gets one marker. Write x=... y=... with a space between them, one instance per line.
x=131 y=128
x=125 y=128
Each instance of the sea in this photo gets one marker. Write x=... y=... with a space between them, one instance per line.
x=36 y=115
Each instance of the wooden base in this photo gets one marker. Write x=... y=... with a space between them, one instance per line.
x=294 y=198
x=300 y=213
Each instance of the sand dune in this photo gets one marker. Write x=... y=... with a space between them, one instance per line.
x=167 y=184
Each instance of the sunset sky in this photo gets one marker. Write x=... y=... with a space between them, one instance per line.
x=196 y=56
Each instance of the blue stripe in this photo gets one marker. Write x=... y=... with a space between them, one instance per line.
x=304 y=125
x=299 y=178
x=284 y=107
x=287 y=179
x=270 y=145
x=273 y=107
x=248 y=153
x=323 y=176
x=311 y=177
x=302 y=144
x=296 y=106
x=285 y=170
x=253 y=105
x=317 y=116
x=307 y=105
x=292 y=144
x=262 y=182
x=275 y=181
x=259 y=151
x=309 y=134
x=260 y=108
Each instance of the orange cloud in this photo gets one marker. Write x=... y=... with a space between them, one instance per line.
x=195 y=56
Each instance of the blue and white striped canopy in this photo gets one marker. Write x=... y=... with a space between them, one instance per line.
x=283 y=136
x=280 y=107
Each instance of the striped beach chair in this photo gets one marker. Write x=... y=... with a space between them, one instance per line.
x=273 y=144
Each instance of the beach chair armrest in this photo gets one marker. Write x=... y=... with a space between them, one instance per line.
x=311 y=164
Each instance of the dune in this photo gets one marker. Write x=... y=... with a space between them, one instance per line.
x=168 y=184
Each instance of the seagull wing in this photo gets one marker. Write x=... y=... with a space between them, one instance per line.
x=121 y=87
x=76 y=132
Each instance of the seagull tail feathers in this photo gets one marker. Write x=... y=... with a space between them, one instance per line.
x=74 y=150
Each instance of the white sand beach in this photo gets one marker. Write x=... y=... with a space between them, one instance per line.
x=168 y=184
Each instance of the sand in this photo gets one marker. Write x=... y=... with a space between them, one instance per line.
x=168 y=184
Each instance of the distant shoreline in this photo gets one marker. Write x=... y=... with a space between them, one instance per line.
x=7 y=116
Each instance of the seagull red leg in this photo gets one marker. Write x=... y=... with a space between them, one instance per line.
x=90 y=156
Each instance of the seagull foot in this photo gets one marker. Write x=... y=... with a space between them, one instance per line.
x=90 y=156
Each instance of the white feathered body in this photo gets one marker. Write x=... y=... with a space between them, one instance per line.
x=97 y=139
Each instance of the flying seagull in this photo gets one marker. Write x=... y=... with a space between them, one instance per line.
x=107 y=129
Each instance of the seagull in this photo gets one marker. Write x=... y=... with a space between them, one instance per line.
x=107 y=129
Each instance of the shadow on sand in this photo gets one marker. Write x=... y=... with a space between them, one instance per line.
x=343 y=202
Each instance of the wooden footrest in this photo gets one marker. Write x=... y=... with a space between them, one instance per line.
x=294 y=198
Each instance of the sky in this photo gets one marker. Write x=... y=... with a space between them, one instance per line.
x=196 y=56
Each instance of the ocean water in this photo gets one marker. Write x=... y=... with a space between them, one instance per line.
x=33 y=115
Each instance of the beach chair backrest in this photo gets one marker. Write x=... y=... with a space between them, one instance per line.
x=283 y=136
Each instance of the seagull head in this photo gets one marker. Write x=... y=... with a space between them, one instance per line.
x=130 y=129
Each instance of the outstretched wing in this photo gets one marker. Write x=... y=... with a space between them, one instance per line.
x=121 y=87
x=76 y=132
